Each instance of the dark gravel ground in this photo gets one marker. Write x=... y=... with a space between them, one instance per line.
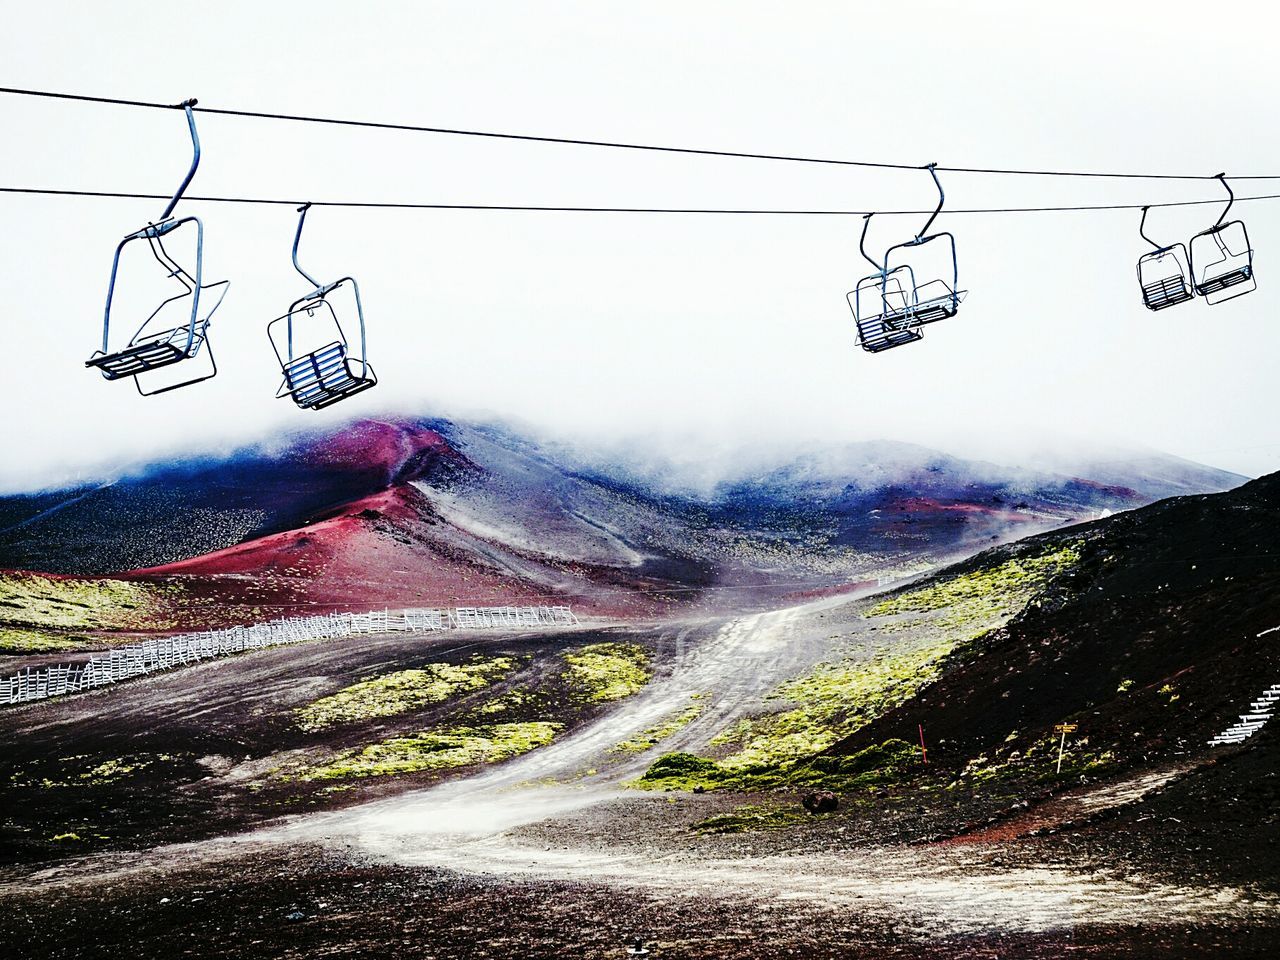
x=302 y=903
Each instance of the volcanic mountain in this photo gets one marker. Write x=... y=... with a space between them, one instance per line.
x=1157 y=639
x=401 y=512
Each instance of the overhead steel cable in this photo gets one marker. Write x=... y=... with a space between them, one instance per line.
x=617 y=145
x=397 y=205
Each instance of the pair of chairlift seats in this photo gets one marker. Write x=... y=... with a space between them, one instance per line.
x=1217 y=264
x=316 y=361
x=907 y=290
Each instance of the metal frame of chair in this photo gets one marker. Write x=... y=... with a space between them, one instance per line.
x=1237 y=278
x=146 y=352
x=322 y=376
x=943 y=299
x=1164 y=274
x=888 y=306
x=877 y=297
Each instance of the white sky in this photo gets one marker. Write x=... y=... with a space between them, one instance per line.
x=710 y=330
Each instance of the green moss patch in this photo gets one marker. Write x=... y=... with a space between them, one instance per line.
x=38 y=641
x=831 y=701
x=401 y=692
x=604 y=672
x=75 y=771
x=879 y=760
x=1038 y=762
x=442 y=749
x=985 y=594
x=757 y=817
x=672 y=723
x=37 y=601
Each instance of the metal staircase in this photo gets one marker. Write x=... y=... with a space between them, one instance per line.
x=1260 y=712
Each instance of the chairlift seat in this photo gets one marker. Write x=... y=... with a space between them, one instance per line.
x=1230 y=279
x=1166 y=293
x=1164 y=276
x=876 y=302
x=875 y=335
x=154 y=352
x=323 y=377
x=925 y=311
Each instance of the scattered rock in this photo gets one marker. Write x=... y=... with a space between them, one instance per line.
x=820 y=801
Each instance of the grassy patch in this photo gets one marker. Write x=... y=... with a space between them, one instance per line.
x=831 y=701
x=1039 y=762
x=757 y=817
x=100 y=774
x=33 y=600
x=400 y=692
x=603 y=672
x=985 y=594
x=669 y=725
x=442 y=749
x=37 y=641
x=886 y=762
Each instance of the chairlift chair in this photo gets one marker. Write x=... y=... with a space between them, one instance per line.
x=1221 y=258
x=1164 y=274
x=935 y=292
x=936 y=298
x=891 y=305
x=150 y=349
x=316 y=361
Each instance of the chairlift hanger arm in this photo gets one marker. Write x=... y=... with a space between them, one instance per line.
x=1222 y=177
x=1143 y=235
x=866 y=222
x=297 y=237
x=942 y=198
x=195 y=159
x=320 y=289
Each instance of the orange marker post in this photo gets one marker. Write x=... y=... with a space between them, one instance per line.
x=924 y=753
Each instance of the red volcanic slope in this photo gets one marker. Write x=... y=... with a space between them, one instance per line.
x=388 y=549
x=388 y=451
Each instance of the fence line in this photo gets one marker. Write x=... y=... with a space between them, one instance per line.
x=164 y=653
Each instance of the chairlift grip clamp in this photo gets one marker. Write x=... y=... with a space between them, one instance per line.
x=153 y=231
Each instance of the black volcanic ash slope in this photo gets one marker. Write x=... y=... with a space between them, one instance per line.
x=1151 y=645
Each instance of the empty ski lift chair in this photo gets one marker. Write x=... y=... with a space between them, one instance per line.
x=934 y=292
x=1221 y=258
x=1164 y=274
x=878 y=297
x=316 y=361
x=151 y=349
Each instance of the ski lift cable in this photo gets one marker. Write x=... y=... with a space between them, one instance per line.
x=617 y=145
x=535 y=208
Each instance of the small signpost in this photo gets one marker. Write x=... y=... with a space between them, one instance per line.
x=924 y=753
x=1064 y=729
